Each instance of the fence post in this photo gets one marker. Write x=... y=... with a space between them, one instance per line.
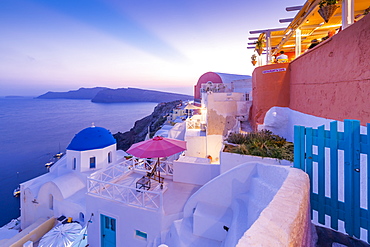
x=321 y=173
x=334 y=174
x=348 y=176
x=299 y=147
x=356 y=177
x=309 y=160
x=368 y=182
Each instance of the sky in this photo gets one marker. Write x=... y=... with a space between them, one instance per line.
x=61 y=45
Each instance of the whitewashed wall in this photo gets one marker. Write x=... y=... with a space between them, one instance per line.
x=214 y=146
x=196 y=146
x=231 y=160
x=240 y=195
x=83 y=158
x=286 y=220
x=128 y=219
x=194 y=173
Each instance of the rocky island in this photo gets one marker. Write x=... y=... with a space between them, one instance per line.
x=107 y=95
x=82 y=93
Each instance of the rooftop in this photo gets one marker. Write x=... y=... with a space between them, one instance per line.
x=120 y=183
x=91 y=138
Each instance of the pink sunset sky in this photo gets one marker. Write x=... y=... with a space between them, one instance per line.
x=54 y=45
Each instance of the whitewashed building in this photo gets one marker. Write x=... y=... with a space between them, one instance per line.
x=62 y=190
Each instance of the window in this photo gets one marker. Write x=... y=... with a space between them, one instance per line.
x=92 y=162
x=141 y=235
x=74 y=163
x=247 y=96
x=113 y=224
x=110 y=157
x=51 y=202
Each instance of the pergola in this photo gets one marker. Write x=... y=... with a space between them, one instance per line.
x=306 y=26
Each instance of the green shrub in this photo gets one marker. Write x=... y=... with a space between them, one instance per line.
x=262 y=143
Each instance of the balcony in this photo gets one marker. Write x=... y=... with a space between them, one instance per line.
x=119 y=183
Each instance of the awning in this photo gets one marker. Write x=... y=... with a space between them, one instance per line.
x=311 y=25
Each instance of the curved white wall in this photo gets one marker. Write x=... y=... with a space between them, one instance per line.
x=286 y=220
x=281 y=121
x=242 y=200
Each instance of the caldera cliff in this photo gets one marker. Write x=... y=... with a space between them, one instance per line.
x=154 y=121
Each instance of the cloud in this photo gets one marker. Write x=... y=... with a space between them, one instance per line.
x=108 y=20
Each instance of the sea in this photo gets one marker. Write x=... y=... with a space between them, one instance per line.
x=32 y=131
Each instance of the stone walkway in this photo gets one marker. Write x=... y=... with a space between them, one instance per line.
x=331 y=238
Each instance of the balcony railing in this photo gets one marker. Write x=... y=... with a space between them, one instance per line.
x=192 y=124
x=165 y=167
x=105 y=183
x=129 y=195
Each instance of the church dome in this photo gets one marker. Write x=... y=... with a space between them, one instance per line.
x=91 y=138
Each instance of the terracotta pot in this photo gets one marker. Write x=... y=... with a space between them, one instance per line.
x=327 y=11
x=254 y=62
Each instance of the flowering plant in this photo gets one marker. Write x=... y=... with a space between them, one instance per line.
x=327 y=2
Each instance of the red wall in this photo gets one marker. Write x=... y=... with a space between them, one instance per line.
x=209 y=76
x=269 y=89
x=333 y=79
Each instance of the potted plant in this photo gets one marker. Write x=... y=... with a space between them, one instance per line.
x=259 y=46
x=254 y=61
x=262 y=143
x=327 y=8
x=367 y=11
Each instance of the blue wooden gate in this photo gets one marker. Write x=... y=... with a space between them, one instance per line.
x=316 y=151
x=108 y=231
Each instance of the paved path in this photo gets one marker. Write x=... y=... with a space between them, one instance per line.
x=331 y=238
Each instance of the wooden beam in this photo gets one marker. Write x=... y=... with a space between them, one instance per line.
x=286 y=20
x=267 y=30
x=294 y=8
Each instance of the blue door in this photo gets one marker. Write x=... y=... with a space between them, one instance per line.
x=108 y=231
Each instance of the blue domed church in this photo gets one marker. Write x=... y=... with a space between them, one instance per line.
x=63 y=189
x=91 y=148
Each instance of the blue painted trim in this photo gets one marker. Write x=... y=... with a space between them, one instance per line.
x=353 y=144
x=334 y=173
x=321 y=173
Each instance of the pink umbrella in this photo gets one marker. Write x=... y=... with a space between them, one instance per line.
x=157 y=147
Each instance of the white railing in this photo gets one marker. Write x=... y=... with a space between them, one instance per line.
x=165 y=167
x=104 y=183
x=192 y=124
x=112 y=173
x=129 y=195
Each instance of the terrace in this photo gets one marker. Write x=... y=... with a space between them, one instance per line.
x=120 y=184
x=306 y=26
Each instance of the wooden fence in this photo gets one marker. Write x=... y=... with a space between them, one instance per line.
x=332 y=160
